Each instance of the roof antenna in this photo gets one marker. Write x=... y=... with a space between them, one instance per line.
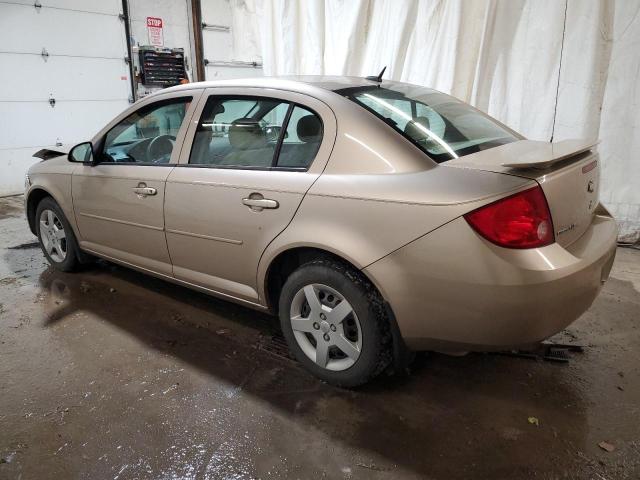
x=378 y=78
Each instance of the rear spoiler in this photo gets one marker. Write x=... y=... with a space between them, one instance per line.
x=535 y=154
x=47 y=153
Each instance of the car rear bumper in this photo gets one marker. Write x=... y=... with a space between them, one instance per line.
x=452 y=290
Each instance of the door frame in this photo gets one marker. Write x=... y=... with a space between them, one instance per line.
x=195 y=93
x=98 y=139
x=329 y=123
x=232 y=177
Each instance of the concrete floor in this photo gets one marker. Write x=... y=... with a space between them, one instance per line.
x=112 y=374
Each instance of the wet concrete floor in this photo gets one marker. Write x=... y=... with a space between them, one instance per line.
x=112 y=374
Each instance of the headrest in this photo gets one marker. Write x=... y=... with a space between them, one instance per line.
x=309 y=129
x=217 y=109
x=415 y=132
x=247 y=134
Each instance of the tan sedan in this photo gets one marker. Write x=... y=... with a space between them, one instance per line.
x=375 y=218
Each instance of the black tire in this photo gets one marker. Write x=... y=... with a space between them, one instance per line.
x=376 y=342
x=71 y=261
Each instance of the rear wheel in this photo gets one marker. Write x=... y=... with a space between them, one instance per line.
x=56 y=237
x=335 y=324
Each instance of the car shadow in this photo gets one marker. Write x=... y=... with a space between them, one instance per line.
x=451 y=417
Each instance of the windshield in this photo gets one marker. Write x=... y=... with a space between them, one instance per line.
x=440 y=125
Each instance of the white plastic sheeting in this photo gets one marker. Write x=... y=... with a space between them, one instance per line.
x=550 y=69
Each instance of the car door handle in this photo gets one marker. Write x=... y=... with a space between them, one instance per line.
x=144 y=191
x=260 y=203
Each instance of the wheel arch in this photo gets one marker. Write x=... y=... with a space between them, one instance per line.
x=284 y=262
x=288 y=260
x=34 y=197
x=55 y=184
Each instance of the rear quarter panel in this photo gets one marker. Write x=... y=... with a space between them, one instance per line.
x=363 y=218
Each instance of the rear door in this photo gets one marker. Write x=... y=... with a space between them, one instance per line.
x=248 y=161
x=119 y=202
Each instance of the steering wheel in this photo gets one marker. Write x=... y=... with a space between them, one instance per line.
x=159 y=148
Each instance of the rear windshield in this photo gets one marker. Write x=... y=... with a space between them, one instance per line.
x=440 y=125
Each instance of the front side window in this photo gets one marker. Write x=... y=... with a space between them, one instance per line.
x=255 y=132
x=440 y=125
x=147 y=135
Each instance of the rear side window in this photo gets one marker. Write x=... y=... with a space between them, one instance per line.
x=301 y=140
x=255 y=132
x=440 y=125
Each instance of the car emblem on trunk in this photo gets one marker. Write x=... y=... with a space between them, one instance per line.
x=566 y=229
x=590 y=186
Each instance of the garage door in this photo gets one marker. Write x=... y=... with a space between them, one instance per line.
x=228 y=53
x=63 y=77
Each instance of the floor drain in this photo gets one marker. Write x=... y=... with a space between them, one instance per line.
x=275 y=345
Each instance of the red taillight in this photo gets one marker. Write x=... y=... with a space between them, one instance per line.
x=522 y=220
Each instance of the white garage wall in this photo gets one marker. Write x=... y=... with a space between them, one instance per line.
x=502 y=56
x=85 y=72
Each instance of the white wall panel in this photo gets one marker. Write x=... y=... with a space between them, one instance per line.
x=110 y=7
x=213 y=72
x=235 y=45
x=14 y=164
x=34 y=124
x=25 y=29
x=85 y=72
x=217 y=45
x=67 y=78
x=217 y=12
x=172 y=12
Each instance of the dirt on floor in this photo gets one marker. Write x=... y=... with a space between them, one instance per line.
x=112 y=374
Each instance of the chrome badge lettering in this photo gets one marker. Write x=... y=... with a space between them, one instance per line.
x=566 y=229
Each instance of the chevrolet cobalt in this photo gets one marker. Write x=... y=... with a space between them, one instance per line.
x=374 y=217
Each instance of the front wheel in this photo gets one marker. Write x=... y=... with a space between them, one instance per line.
x=56 y=237
x=335 y=323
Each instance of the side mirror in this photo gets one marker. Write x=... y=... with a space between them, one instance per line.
x=82 y=153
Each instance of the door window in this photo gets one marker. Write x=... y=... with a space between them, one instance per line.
x=147 y=135
x=301 y=140
x=238 y=132
x=248 y=132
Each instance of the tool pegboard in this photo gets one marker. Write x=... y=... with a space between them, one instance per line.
x=161 y=67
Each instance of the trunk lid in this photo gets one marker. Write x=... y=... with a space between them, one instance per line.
x=567 y=171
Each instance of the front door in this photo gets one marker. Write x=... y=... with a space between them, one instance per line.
x=119 y=202
x=245 y=167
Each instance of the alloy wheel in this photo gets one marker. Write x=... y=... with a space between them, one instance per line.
x=53 y=236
